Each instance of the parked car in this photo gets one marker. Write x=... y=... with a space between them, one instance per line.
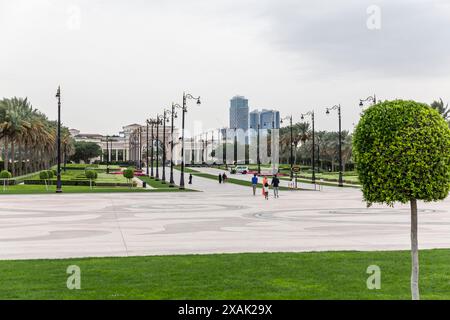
x=240 y=169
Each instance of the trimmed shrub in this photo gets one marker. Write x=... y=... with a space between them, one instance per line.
x=402 y=154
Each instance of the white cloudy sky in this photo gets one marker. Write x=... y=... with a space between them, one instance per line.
x=119 y=61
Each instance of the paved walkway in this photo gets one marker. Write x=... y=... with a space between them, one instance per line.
x=223 y=218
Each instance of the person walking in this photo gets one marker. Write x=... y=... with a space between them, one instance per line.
x=220 y=178
x=254 y=183
x=224 y=177
x=264 y=181
x=190 y=178
x=276 y=186
x=266 y=191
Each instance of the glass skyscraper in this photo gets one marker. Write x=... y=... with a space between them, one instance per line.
x=239 y=113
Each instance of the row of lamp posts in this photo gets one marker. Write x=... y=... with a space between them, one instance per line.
x=164 y=118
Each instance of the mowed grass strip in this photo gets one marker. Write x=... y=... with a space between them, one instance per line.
x=159 y=185
x=325 y=275
x=40 y=189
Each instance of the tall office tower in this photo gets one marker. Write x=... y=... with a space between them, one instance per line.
x=254 y=119
x=239 y=113
x=269 y=119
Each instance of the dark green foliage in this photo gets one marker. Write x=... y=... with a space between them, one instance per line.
x=5 y=174
x=128 y=173
x=50 y=174
x=91 y=174
x=43 y=175
x=402 y=152
x=85 y=151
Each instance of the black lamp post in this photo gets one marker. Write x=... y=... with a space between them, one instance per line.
x=165 y=119
x=291 y=156
x=372 y=99
x=235 y=149
x=152 y=122
x=193 y=150
x=338 y=108
x=224 y=155
x=107 y=154
x=203 y=151
x=185 y=98
x=158 y=122
x=173 y=116
x=311 y=113
x=58 y=170
x=146 y=150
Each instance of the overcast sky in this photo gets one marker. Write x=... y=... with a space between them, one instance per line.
x=119 y=61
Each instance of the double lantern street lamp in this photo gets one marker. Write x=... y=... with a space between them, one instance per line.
x=58 y=170
x=372 y=99
x=311 y=113
x=184 y=110
x=338 y=108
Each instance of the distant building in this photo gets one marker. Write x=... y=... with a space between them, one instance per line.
x=270 y=119
x=267 y=119
x=122 y=147
x=254 y=119
x=239 y=113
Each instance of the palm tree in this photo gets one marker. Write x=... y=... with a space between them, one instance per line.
x=32 y=133
x=444 y=110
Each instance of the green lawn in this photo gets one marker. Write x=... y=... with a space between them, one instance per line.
x=40 y=189
x=327 y=275
x=161 y=186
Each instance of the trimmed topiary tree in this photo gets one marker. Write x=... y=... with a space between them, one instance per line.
x=50 y=174
x=129 y=174
x=402 y=152
x=91 y=175
x=5 y=175
x=43 y=175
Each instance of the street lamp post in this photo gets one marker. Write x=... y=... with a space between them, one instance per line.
x=173 y=116
x=235 y=149
x=165 y=119
x=372 y=99
x=338 y=108
x=152 y=122
x=184 y=109
x=58 y=170
x=311 y=113
x=146 y=149
x=224 y=147
x=203 y=151
x=291 y=156
x=158 y=122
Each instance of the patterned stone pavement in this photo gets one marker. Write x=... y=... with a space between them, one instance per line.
x=219 y=219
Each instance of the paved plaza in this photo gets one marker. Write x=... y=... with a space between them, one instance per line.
x=219 y=219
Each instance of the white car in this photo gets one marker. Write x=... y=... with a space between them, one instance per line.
x=241 y=169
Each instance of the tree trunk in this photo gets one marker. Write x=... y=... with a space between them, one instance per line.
x=5 y=160
x=414 y=252
x=13 y=165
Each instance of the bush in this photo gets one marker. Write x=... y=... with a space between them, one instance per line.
x=5 y=174
x=43 y=175
x=50 y=174
x=91 y=174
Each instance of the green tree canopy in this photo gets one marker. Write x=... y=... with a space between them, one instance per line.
x=85 y=150
x=402 y=153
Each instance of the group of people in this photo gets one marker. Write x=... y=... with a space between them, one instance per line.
x=222 y=178
x=275 y=183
